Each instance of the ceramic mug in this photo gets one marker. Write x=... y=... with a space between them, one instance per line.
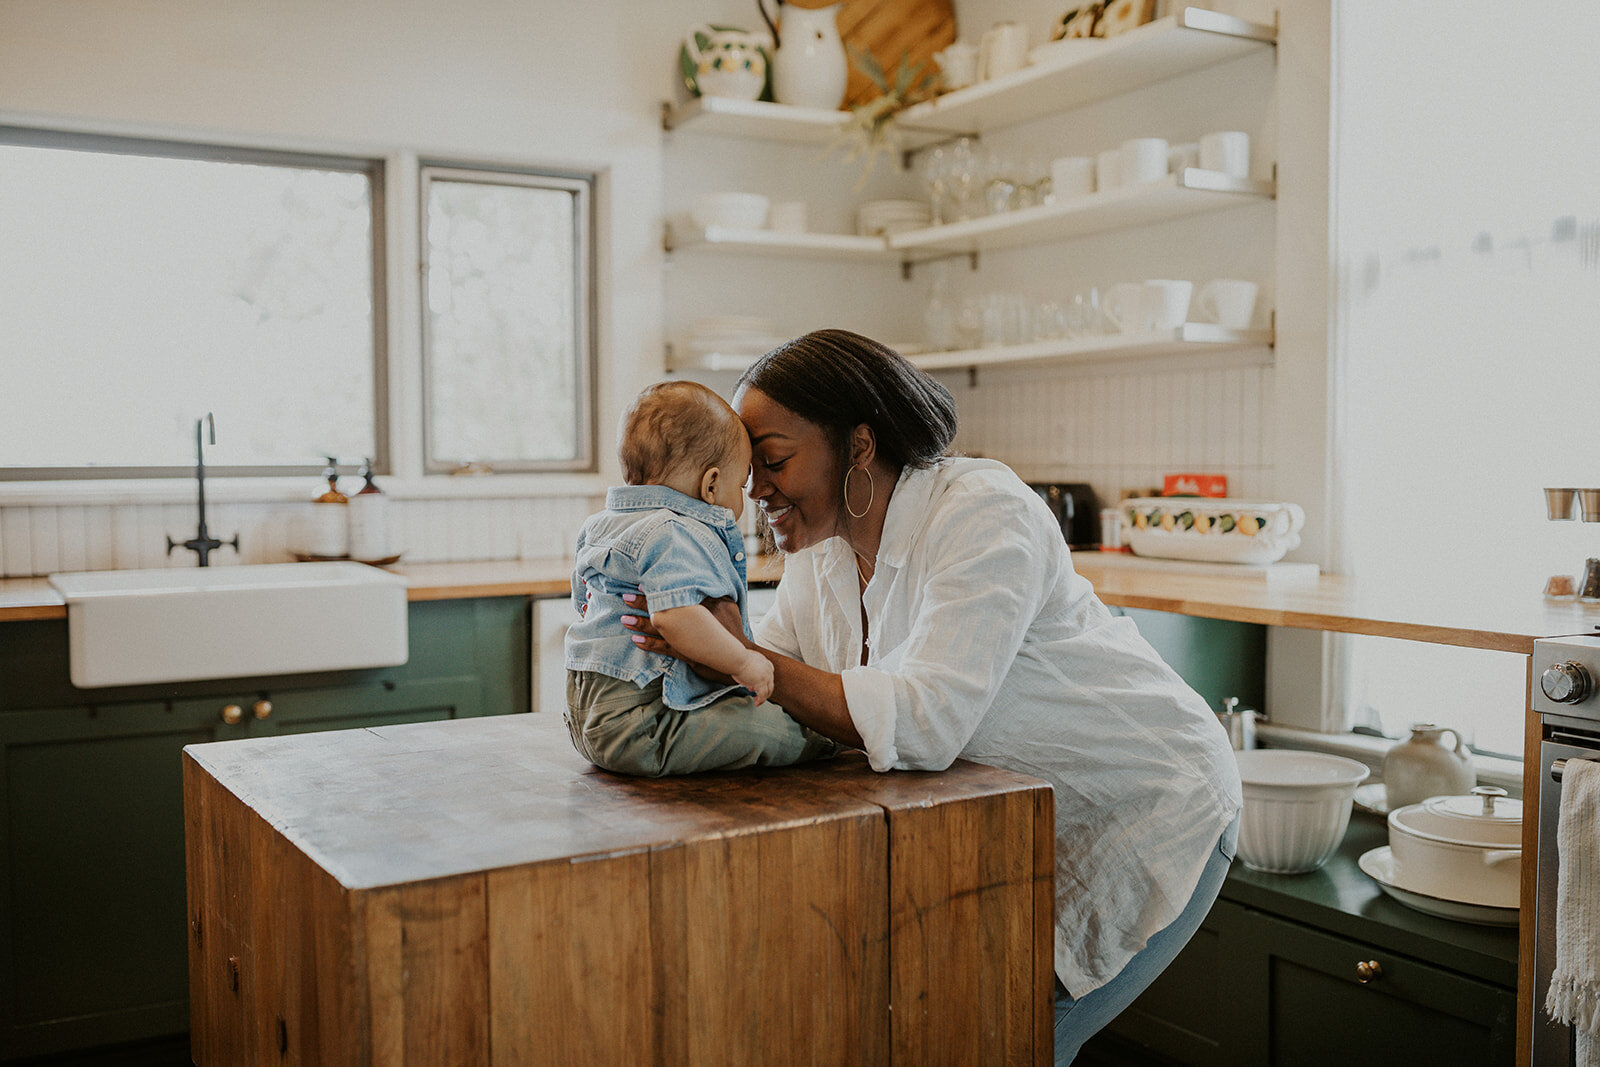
x=1127 y=307
x=1005 y=50
x=1168 y=302
x=1227 y=151
x=1144 y=159
x=1071 y=176
x=1108 y=169
x=959 y=64
x=1228 y=302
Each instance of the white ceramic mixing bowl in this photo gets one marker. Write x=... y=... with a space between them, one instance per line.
x=1296 y=807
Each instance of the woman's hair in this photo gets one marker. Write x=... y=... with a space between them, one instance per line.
x=839 y=380
x=673 y=425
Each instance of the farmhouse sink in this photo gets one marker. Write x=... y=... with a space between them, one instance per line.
x=179 y=625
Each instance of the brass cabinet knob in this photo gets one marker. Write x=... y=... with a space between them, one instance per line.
x=233 y=713
x=262 y=708
x=1368 y=971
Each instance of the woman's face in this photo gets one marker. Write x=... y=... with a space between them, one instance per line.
x=794 y=472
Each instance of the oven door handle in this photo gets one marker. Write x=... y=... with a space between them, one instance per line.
x=1556 y=768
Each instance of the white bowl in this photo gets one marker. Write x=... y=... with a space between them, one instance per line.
x=738 y=211
x=1296 y=807
x=1448 y=847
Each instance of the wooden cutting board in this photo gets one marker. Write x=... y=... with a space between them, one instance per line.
x=889 y=29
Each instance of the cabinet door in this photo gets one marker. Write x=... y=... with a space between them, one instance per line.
x=1189 y=1013
x=92 y=919
x=302 y=711
x=1319 y=1011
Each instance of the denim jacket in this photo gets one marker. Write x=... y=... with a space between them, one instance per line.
x=675 y=549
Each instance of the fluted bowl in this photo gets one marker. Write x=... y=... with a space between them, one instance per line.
x=1296 y=807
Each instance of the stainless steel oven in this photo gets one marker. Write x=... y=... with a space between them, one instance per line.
x=1566 y=696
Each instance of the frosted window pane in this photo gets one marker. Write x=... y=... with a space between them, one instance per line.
x=138 y=293
x=503 y=329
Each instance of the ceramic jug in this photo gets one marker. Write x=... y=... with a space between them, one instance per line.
x=732 y=63
x=809 y=68
x=1424 y=766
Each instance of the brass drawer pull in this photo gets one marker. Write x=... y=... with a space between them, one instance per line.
x=232 y=714
x=262 y=709
x=1368 y=971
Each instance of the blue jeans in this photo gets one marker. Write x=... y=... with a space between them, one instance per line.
x=1079 y=1020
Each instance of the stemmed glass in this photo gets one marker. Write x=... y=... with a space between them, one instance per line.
x=934 y=167
x=961 y=176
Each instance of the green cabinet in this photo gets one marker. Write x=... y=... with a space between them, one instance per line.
x=92 y=911
x=1314 y=969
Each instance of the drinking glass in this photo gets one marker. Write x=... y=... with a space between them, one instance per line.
x=935 y=171
x=961 y=177
x=1083 y=313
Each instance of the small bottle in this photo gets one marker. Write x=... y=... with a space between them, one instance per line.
x=328 y=527
x=368 y=523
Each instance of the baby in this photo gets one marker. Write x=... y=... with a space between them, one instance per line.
x=672 y=533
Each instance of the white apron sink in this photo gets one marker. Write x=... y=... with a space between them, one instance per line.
x=171 y=625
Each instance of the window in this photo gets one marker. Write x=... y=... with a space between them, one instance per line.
x=146 y=283
x=507 y=359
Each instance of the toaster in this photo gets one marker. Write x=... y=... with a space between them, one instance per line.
x=1076 y=510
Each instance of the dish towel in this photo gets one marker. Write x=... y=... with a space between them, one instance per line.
x=1574 y=996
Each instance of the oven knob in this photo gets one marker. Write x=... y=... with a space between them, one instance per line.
x=1565 y=682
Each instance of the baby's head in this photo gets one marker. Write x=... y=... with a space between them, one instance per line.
x=684 y=436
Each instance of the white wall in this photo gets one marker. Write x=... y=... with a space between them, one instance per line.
x=1469 y=317
x=533 y=81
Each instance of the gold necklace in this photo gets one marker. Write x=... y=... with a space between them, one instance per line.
x=862 y=571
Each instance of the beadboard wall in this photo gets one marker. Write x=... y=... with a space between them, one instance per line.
x=1121 y=428
x=39 y=540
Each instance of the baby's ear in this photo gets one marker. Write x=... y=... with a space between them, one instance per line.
x=708 y=484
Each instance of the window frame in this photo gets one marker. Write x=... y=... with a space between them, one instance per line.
x=375 y=170
x=585 y=290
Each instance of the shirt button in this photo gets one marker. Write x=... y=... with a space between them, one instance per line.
x=738 y=555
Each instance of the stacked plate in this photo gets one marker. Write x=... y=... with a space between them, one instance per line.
x=733 y=335
x=878 y=218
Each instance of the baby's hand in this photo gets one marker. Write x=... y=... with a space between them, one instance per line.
x=755 y=674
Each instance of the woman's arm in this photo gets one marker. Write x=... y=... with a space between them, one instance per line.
x=693 y=628
x=812 y=697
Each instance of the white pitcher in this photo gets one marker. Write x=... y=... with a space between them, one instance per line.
x=809 y=68
x=1424 y=766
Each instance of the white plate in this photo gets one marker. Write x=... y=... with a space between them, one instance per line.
x=1378 y=865
x=1373 y=798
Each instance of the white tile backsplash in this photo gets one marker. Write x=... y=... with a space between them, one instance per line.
x=1124 y=427
x=38 y=540
x=1115 y=427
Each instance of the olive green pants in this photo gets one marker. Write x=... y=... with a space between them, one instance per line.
x=630 y=729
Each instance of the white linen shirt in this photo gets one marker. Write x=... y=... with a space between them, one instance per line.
x=986 y=645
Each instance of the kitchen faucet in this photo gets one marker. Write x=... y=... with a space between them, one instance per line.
x=202 y=544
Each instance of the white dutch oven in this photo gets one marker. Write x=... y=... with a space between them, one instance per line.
x=1462 y=848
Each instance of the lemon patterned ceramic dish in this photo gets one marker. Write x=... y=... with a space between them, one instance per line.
x=1218 y=530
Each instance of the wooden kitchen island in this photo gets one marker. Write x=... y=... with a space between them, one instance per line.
x=475 y=892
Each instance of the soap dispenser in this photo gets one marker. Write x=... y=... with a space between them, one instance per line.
x=368 y=523
x=328 y=529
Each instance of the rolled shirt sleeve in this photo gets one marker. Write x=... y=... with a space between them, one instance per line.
x=918 y=703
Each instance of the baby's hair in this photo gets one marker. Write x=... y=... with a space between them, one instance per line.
x=673 y=425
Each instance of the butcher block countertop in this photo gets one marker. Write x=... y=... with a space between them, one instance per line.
x=1469 y=617
x=473 y=891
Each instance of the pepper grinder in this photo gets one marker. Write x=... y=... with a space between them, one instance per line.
x=1239 y=722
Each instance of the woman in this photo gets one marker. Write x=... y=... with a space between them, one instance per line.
x=929 y=611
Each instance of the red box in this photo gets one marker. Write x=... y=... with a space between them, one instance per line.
x=1212 y=485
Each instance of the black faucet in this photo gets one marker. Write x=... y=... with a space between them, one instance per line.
x=202 y=544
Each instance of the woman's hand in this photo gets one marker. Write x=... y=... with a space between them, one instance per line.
x=647 y=637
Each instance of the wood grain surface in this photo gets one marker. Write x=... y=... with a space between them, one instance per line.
x=889 y=29
x=820 y=914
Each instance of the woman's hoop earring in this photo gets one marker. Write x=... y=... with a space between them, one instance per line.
x=871 y=492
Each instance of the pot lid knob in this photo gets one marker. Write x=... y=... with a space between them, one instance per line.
x=1489 y=793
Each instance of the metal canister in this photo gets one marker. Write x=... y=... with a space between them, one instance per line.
x=1239 y=722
